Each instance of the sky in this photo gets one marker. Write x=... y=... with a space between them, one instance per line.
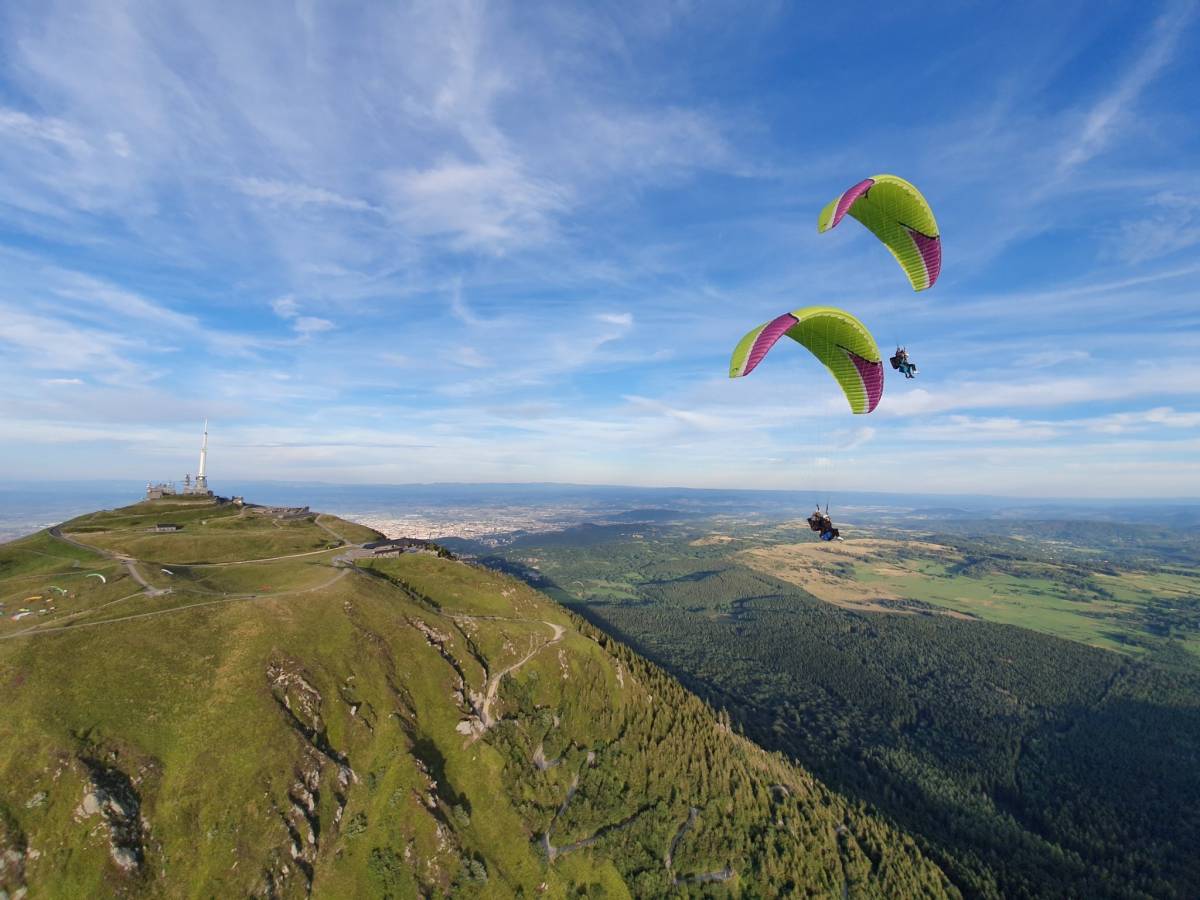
x=455 y=241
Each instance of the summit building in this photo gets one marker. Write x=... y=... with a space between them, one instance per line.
x=193 y=487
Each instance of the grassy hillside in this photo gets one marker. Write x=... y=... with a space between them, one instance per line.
x=197 y=725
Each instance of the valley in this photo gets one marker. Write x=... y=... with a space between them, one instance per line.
x=1023 y=697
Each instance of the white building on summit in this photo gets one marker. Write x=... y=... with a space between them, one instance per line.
x=197 y=487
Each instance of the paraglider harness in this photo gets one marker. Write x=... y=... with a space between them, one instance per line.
x=902 y=365
x=823 y=525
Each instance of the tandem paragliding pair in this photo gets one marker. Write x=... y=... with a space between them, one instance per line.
x=896 y=213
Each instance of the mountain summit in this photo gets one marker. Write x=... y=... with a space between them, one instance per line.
x=248 y=702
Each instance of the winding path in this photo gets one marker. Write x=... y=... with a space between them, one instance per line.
x=493 y=681
x=128 y=562
x=172 y=609
x=683 y=829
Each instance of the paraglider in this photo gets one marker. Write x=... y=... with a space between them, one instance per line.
x=902 y=364
x=839 y=340
x=896 y=213
x=823 y=525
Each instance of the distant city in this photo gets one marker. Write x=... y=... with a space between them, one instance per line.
x=495 y=513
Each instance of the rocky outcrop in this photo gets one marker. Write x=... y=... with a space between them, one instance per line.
x=14 y=850
x=301 y=705
x=112 y=794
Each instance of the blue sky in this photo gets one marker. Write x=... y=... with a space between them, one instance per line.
x=517 y=242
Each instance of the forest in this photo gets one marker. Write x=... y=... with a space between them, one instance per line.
x=1026 y=765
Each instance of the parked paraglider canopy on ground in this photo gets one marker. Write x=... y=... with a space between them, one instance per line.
x=898 y=215
x=833 y=336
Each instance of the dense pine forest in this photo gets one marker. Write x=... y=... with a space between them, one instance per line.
x=1027 y=765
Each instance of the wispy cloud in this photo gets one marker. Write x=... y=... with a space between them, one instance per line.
x=288 y=194
x=493 y=207
x=469 y=357
x=533 y=240
x=625 y=319
x=288 y=308
x=460 y=309
x=1172 y=224
x=1109 y=111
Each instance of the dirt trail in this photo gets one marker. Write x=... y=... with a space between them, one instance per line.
x=173 y=609
x=128 y=562
x=493 y=682
x=723 y=875
x=550 y=850
x=683 y=829
x=342 y=542
x=246 y=562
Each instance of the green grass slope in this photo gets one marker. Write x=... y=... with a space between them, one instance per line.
x=265 y=719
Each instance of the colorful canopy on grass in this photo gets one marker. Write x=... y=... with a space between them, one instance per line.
x=834 y=337
x=898 y=215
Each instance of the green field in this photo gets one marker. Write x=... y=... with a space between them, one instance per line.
x=1114 y=610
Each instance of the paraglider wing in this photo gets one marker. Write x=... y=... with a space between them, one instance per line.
x=898 y=215
x=833 y=336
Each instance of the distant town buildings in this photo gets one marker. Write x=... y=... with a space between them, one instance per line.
x=197 y=487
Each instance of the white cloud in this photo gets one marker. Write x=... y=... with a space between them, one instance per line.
x=694 y=418
x=469 y=357
x=120 y=302
x=573 y=194
x=296 y=195
x=625 y=320
x=309 y=325
x=492 y=206
x=459 y=308
x=19 y=125
x=1124 y=422
x=1136 y=378
x=286 y=307
x=1045 y=359
x=1174 y=224
x=860 y=438
x=49 y=343
x=1107 y=113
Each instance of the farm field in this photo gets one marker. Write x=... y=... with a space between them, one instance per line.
x=1104 y=609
